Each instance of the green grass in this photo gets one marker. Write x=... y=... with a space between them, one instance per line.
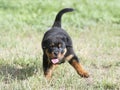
x=95 y=31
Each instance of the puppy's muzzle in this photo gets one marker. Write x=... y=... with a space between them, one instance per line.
x=56 y=53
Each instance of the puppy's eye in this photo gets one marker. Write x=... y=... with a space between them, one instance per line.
x=52 y=46
x=59 y=45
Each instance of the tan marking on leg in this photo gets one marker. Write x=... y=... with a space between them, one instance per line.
x=48 y=74
x=78 y=67
x=69 y=57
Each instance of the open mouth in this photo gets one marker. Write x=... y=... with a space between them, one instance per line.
x=55 y=61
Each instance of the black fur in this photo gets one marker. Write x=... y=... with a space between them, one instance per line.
x=56 y=35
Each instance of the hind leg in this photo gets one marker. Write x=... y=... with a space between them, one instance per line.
x=74 y=61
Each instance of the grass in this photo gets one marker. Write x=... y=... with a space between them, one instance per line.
x=95 y=31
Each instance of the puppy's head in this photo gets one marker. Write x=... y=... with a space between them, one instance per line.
x=55 y=50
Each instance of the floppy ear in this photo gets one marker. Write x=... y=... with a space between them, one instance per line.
x=45 y=44
x=67 y=41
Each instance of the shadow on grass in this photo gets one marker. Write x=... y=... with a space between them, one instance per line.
x=8 y=72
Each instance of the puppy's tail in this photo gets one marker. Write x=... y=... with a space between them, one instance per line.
x=57 y=22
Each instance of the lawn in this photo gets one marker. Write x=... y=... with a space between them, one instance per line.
x=94 y=27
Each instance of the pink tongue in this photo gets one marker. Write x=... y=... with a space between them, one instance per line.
x=54 y=61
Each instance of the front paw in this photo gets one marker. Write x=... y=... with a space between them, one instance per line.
x=84 y=74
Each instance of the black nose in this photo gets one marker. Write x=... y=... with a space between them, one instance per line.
x=56 y=53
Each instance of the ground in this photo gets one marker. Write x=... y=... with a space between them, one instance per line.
x=94 y=27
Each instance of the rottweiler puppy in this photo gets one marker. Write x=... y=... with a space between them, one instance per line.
x=57 y=48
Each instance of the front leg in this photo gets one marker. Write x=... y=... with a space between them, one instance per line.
x=47 y=67
x=78 y=67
